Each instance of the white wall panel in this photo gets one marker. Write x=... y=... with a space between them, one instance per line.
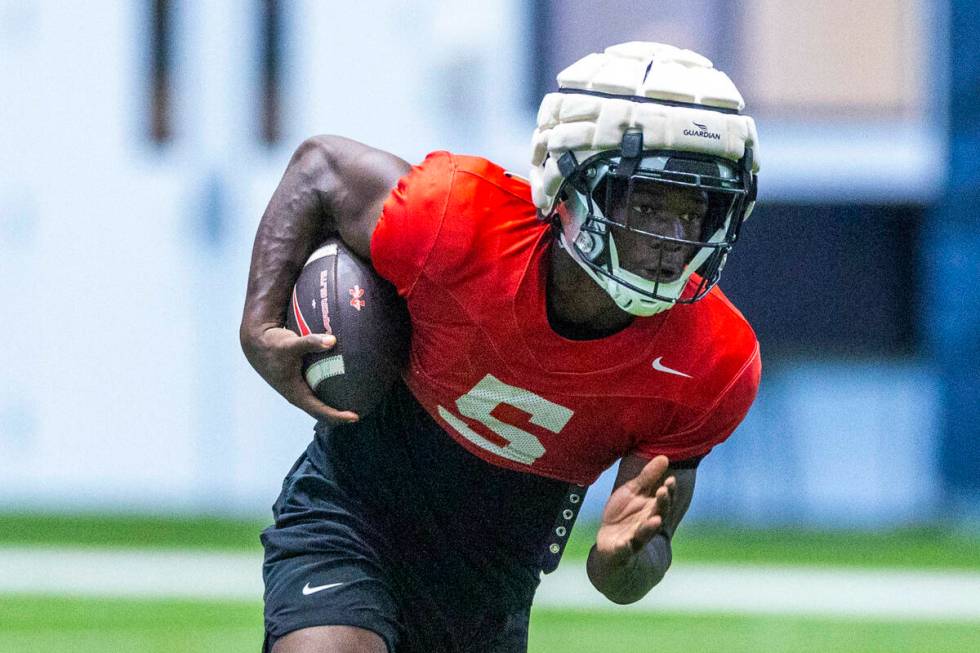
x=123 y=265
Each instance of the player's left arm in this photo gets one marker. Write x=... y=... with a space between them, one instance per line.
x=632 y=549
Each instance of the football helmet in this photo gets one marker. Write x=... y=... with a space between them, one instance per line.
x=635 y=121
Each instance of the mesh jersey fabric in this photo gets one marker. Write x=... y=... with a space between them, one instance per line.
x=460 y=239
x=475 y=530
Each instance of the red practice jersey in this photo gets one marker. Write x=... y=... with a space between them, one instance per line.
x=460 y=239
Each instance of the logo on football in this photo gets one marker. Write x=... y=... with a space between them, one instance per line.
x=356 y=293
x=366 y=315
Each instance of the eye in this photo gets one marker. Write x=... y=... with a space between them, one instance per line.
x=693 y=214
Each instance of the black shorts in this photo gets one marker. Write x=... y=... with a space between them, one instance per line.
x=331 y=559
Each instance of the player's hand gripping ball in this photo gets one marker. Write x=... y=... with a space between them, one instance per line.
x=338 y=293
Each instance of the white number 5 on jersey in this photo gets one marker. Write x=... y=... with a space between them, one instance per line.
x=489 y=393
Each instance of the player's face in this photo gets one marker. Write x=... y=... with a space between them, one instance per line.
x=665 y=211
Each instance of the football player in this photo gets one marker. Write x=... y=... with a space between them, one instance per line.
x=559 y=325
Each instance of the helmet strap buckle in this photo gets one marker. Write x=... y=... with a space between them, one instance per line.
x=632 y=149
x=567 y=164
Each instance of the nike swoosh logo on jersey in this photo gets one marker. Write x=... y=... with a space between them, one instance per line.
x=660 y=367
x=307 y=590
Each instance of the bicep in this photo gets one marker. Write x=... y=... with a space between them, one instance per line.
x=357 y=181
x=684 y=475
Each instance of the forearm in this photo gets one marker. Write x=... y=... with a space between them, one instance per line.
x=293 y=223
x=630 y=579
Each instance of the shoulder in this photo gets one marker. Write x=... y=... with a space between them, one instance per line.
x=729 y=356
x=431 y=179
x=461 y=179
x=460 y=196
x=481 y=181
x=442 y=163
x=719 y=328
x=446 y=210
x=721 y=349
x=491 y=173
x=720 y=359
x=735 y=348
x=410 y=220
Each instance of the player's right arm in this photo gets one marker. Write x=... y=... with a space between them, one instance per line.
x=331 y=185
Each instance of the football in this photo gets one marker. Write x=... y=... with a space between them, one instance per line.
x=341 y=294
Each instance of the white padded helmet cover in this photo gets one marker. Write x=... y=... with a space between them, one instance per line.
x=588 y=124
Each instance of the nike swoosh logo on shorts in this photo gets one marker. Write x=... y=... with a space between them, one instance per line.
x=660 y=367
x=307 y=590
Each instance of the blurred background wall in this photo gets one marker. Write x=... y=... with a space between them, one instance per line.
x=140 y=141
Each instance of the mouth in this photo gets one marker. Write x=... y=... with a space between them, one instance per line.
x=663 y=274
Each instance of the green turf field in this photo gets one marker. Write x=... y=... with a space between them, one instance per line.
x=30 y=624
x=96 y=626
x=106 y=530
x=581 y=632
x=918 y=548
x=915 y=548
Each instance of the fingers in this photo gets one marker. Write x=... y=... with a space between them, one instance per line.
x=650 y=477
x=664 y=499
x=671 y=485
x=302 y=397
x=280 y=367
x=311 y=344
x=657 y=516
x=645 y=532
x=300 y=394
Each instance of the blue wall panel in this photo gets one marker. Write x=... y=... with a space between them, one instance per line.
x=952 y=265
